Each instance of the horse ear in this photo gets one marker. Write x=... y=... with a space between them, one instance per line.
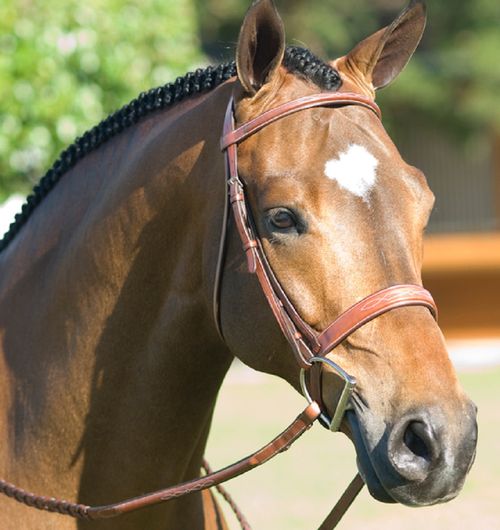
x=261 y=45
x=383 y=55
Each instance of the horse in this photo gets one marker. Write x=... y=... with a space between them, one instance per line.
x=112 y=354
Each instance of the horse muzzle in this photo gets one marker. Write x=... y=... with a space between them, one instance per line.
x=418 y=460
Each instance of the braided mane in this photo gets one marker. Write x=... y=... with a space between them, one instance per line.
x=299 y=61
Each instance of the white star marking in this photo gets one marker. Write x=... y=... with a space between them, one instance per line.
x=355 y=170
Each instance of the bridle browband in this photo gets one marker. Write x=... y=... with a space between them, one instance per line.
x=310 y=347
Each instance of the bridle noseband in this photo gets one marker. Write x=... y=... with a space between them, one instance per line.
x=309 y=346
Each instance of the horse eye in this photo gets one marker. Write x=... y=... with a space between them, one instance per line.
x=282 y=219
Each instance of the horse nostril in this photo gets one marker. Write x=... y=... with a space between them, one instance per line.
x=416 y=438
x=413 y=449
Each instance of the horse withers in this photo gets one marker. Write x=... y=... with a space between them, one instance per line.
x=111 y=353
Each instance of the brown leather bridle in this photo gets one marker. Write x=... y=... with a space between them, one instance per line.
x=309 y=346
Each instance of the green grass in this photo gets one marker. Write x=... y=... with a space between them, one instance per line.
x=298 y=488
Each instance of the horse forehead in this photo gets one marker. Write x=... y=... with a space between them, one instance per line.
x=331 y=148
x=317 y=157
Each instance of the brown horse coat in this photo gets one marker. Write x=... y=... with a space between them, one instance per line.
x=110 y=361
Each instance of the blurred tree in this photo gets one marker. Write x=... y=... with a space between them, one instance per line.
x=65 y=65
x=453 y=80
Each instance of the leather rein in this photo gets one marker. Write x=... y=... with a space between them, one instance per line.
x=309 y=346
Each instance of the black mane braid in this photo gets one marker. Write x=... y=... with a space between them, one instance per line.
x=301 y=61
x=297 y=60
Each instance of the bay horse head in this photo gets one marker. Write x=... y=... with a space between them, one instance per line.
x=331 y=219
x=341 y=215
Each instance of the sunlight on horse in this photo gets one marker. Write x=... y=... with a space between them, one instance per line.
x=111 y=359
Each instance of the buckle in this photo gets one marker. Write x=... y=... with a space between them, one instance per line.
x=342 y=404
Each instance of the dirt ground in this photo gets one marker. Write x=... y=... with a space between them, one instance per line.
x=298 y=488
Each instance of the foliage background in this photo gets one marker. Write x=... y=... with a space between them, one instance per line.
x=65 y=65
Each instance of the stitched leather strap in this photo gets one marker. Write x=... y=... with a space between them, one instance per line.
x=371 y=307
x=291 y=325
x=280 y=444
x=307 y=102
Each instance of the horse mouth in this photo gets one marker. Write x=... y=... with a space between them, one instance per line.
x=365 y=467
x=432 y=477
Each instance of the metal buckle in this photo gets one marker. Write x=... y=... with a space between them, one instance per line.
x=342 y=404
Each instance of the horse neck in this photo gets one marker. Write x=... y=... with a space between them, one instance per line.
x=108 y=339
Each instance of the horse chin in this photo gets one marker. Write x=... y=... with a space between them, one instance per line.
x=365 y=467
